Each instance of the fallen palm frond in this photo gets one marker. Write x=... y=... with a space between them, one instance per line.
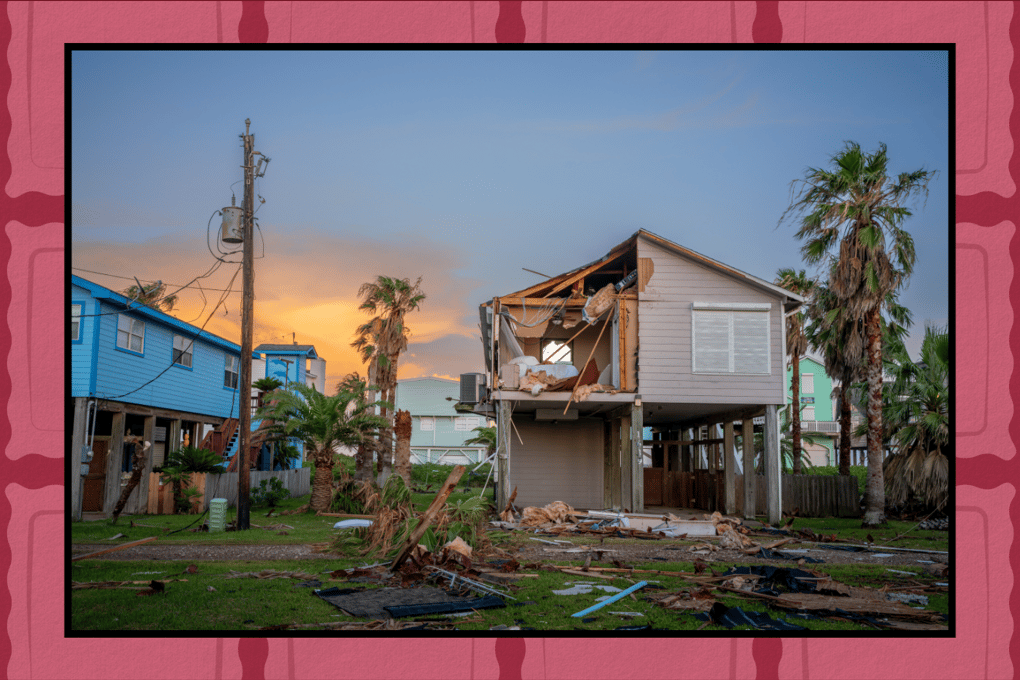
x=917 y=477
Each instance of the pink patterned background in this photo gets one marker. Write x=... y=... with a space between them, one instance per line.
x=31 y=469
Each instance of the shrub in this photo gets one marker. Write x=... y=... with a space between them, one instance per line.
x=270 y=492
x=858 y=471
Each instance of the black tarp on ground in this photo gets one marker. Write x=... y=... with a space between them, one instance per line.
x=371 y=603
x=773 y=578
x=731 y=617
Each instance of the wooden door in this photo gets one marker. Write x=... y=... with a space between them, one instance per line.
x=95 y=480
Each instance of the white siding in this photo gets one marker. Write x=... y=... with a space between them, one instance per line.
x=561 y=462
x=664 y=326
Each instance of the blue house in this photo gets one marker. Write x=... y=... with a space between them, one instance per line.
x=439 y=430
x=292 y=363
x=138 y=371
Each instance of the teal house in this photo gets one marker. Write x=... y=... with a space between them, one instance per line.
x=818 y=410
x=439 y=431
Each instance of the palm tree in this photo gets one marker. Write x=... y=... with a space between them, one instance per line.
x=322 y=423
x=918 y=412
x=354 y=383
x=151 y=295
x=487 y=437
x=380 y=341
x=853 y=212
x=796 y=345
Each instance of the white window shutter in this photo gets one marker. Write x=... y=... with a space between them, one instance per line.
x=711 y=342
x=750 y=342
x=807 y=383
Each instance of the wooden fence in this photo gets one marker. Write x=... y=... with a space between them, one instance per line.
x=224 y=485
x=809 y=495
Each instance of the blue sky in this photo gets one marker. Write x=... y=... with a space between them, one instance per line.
x=463 y=167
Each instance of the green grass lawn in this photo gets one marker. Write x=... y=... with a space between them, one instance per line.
x=209 y=600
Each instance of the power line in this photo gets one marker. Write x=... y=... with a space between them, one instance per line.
x=131 y=278
x=193 y=338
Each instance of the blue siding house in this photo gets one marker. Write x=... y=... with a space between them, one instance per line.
x=137 y=371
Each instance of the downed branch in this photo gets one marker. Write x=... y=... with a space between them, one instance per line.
x=114 y=549
x=429 y=516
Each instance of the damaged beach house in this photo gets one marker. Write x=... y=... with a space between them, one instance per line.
x=653 y=335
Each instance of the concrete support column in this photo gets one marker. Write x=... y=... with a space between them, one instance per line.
x=773 y=483
x=77 y=442
x=730 y=470
x=637 y=454
x=503 y=427
x=750 y=478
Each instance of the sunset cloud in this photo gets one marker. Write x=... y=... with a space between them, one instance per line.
x=307 y=285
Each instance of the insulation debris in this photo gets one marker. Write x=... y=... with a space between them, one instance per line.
x=554 y=513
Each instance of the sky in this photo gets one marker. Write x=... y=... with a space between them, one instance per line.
x=463 y=168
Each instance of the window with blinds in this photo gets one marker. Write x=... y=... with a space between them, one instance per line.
x=807 y=383
x=730 y=338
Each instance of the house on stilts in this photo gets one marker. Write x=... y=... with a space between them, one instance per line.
x=653 y=335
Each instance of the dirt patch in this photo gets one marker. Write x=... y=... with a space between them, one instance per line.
x=206 y=552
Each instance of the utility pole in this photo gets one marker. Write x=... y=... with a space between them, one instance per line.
x=247 y=314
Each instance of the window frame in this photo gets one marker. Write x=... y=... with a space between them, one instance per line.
x=464 y=423
x=131 y=334
x=189 y=352
x=76 y=319
x=728 y=311
x=227 y=360
x=431 y=420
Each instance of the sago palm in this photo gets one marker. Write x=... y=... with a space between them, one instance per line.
x=322 y=423
x=853 y=212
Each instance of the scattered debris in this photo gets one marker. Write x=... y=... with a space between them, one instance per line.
x=353 y=524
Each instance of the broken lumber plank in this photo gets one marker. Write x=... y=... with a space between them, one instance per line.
x=770 y=546
x=114 y=549
x=578 y=572
x=429 y=516
x=617 y=570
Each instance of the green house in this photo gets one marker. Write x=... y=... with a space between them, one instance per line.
x=818 y=412
x=439 y=430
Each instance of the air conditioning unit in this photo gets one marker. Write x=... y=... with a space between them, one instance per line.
x=472 y=388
